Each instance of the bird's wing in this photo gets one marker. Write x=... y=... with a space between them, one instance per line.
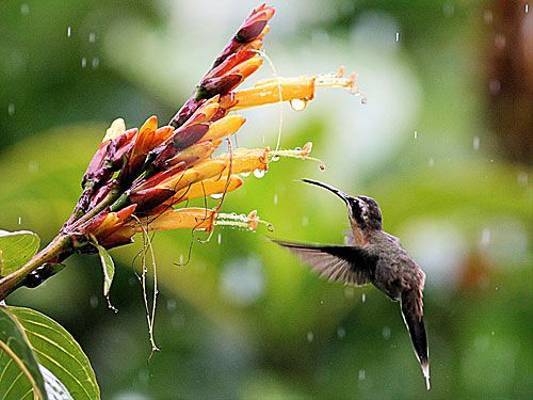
x=348 y=264
x=412 y=311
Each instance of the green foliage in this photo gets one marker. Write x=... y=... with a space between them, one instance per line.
x=47 y=350
x=19 y=370
x=16 y=248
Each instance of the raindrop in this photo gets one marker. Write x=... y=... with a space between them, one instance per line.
x=322 y=166
x=386 y=333
x=431 y=162
x=492 y=333
x=416 y=134
x=485 y=237
x=11 y=109
x=488 y=17
x=500 y=41
x=181 y=259
x=526 y=8
x=341 y=332
x=83 y=62
x=217 y=196
x=219 y=238
x=448 y=9
x=275 y=158
x=92 y=37
x=69 y=31
x=259 y=173
x=33 y=166
x=298 y=104
x=171 y=304
x=475 y=143
x=276 y=199
x=24 y=9
x=361 y=375
x=364 y=100
x=310 y=336
x=522 y=178
x=20 y=221
x=305 y=221
x=245 y=174
x=494 y=86
x=397 y=39
x=95 y=62
x=93 y=301
x=363 y=298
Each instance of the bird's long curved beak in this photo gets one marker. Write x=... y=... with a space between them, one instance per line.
x=332 y=189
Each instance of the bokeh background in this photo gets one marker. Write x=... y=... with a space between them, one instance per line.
x=444 y=144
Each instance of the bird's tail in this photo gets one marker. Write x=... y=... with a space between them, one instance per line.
x=414 y=320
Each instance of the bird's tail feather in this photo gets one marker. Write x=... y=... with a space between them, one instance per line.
x=415 y=324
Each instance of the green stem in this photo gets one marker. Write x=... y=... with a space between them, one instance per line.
x=11 y=281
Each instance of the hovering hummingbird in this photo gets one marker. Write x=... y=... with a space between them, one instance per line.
x=372 y=256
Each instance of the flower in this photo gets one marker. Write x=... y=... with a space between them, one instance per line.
x=138 y=177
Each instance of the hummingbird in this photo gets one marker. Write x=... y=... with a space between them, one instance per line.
x=374 y=256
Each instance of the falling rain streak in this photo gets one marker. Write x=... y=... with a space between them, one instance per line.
x=69 y=31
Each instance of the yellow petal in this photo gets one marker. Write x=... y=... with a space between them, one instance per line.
x=207 y=188
x=275 y=90
x=204 y=170
x=246 y=160
x=183 y=218
x=224 y=127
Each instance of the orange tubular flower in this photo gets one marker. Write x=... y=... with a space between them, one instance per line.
x=137 y=177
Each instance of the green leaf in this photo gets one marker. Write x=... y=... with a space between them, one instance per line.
x=108 y=267
x=57 y=351
x=20 y=376
x=16 y=248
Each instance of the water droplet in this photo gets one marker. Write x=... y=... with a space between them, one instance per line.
x=245 y=174
x=83 y=62
x=305 y=221
x=475 y=143
x=219 y=238
x=493 y=333
x=322 y=166
x=431 y=162
x=485 y=237
x=11 y=109
x=270 y=228
x=259 y=173
x=92 y=37
x=93 y=301
x=386 y=333
x=416 y=134
x=275 y=158
x=526 y=8
x=19 y=221
x=217 y=196
x=494 y=86
x=397 y=39
x=310 y=336
x=448 y=9
x=341 y=332
x=522 y=178
x=69 y=31
x=298 y=104
x=363 y=298
x=361 y=375
x=488 y=17
x=24 y=9
x=181 y=259
x=95 y=62
x=276 y=199
x=171 y=304
x=364 y=99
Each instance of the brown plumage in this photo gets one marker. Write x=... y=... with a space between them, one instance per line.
x=372 y=256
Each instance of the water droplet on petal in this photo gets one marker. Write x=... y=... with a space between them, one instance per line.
x=245 y=174
x=259 y=173
x=298 y=104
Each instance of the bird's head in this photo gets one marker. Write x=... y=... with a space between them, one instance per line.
x=364 y=211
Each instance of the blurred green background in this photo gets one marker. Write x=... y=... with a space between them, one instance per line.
x=444 y=144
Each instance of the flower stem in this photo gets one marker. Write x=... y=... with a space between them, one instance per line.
x=12 y=281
